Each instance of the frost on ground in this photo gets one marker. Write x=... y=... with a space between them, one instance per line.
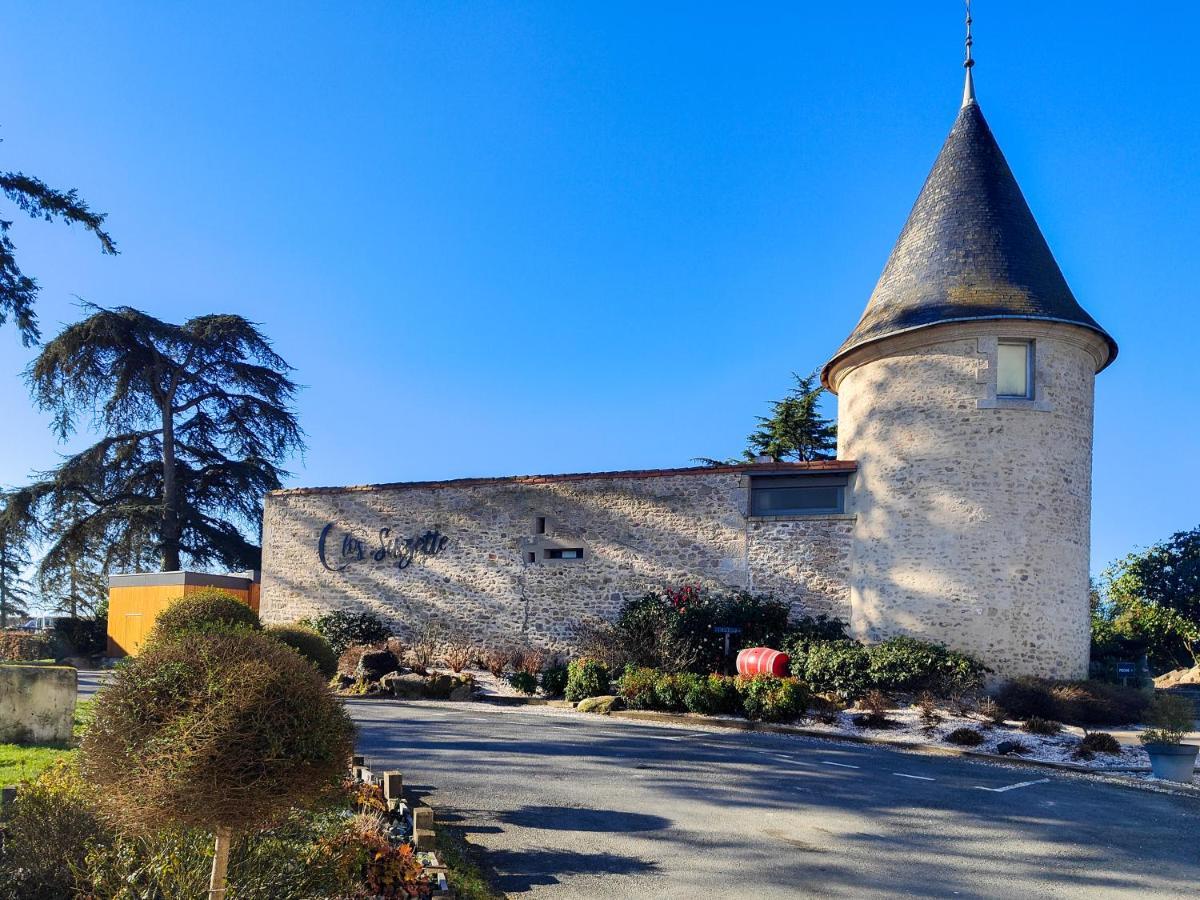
x=1061 y=748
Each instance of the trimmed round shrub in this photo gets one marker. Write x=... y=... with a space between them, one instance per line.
x=1038 y=725
x=554 y=681
x=772 y=699
x=207 y=610
x=344 y=629
x=524 y=682
x=214 y=730
x=841 y=667
x=1099 y=742
x=907 y=664
x=308 y=644
x=713 y=695
x=636 y=687
x=586 y=678
x=965 y=737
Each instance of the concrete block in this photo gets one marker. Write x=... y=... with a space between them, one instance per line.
x=37 y=704
x=393 y=785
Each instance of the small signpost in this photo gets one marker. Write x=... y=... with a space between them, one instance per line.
x=727 y=630
x=1125 y=670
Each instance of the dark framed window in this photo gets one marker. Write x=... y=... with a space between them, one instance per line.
x=798 y=495
x=564 y=553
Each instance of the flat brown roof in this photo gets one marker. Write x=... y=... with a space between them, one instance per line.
x=824 y=465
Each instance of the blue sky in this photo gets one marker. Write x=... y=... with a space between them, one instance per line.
x=503 y=238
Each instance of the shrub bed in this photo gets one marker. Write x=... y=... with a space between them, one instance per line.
x=345 y=629
x=586 y=678
x=308 y=644
x=25 y=646
x=1084 y=703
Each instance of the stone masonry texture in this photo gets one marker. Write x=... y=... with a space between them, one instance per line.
x=973 y=514
x=638 y=532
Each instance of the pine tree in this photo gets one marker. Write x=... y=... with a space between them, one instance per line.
x=40 y=201
x=15 y=592
x=196 y=420
x=795 y=430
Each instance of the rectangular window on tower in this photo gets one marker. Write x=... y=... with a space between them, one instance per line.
x=1014 y=370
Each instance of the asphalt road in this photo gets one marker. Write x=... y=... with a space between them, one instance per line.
x=570 y=806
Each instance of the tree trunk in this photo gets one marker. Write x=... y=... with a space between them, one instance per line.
x=170 y=500
x=216 y=884
x=3 y=580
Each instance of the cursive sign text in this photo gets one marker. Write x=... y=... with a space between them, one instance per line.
x=401 y=551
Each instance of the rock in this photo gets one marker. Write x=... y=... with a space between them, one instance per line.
x=407 y=686
x=601 y=706
x=438 y=687
x=1178 y=677
x=463 y=692
x=344 y=681
x=375 y=664
x=1005 y=748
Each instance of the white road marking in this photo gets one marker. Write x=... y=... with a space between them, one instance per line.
x=839 y=765
x=917 y=777
x=1012 y=787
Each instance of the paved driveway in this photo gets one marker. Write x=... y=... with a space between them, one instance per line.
x=576 y=806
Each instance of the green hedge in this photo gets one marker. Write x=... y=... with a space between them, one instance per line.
x=905 y=664
x=586 y=678
x=759 y=697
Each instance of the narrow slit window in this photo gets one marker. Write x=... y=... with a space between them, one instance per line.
x=531 y=556
x=564 y=553
x=1014 y=369
x=539 y=525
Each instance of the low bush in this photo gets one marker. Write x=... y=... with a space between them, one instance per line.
x=1170 y=718
x=636 y=687
x=992 y=711
x=772 y=699
x=586 y=678
x=82 y=637
x=530 y=659
x=671 y=690
x=907 y=664
x=524 y=682
x=206 y=610
x=1038 y=725
x=458 y=656
x=320 y=853
x=1083 y=703
x=25 y=646
x=1099 y=742
x=497 y=659
x=841 y=667
x=344 y=629
x=713 y=695
x=308 y=644
x=554 y=681
x=965 y=737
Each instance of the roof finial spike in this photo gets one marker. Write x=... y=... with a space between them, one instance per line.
x=968 y=64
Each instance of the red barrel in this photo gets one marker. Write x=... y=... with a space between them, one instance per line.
x=762 y=661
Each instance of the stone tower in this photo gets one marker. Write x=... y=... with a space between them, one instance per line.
x=965 y=395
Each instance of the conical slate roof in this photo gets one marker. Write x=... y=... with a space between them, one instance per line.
x=970 y=250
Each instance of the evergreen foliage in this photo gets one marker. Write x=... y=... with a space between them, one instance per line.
x=39 y=201
x=795 y=430
x=15 y=592
x=196 y=420
x=208 y=610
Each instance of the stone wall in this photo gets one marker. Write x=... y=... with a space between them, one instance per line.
x=973 y=513
x=637 y=531
x=37 y=704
